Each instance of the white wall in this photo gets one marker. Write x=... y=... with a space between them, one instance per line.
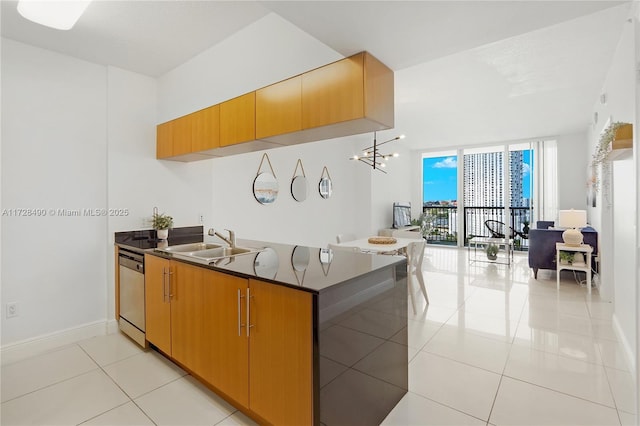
x=615 y=216
x=572 y=171
x=396 y=185
x=136 y=180
x=54 y=157
x=263 y=53
x=271 y=50
x=79 y=135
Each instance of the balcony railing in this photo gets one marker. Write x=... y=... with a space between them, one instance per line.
x=476 y=217
x=445 y=223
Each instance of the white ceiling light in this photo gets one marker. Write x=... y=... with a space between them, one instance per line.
x=61 y=15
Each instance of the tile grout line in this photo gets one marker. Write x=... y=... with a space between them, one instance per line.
x=447 y=406
x=58 y=382
x=560 y=392
x=118 y=386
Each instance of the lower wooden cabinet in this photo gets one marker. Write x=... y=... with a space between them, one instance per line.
x=157 y=309
x=251 y=340
x=280 y=354
x=187 y=315
x=226 y=344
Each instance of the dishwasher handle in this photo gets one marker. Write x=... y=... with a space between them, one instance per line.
x=131 y=261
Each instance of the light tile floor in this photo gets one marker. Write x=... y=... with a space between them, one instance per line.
x=494 y=347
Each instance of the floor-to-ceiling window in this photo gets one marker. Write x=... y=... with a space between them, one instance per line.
x=488 y=187
x=440 y=196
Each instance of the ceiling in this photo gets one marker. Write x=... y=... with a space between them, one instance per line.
x=467 y=72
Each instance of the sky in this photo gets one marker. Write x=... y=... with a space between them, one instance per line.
x=440 y=177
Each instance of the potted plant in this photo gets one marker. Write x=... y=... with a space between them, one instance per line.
x=492 y=251
x=566 y=257
x=161 y=223
x=602 y=150
x=425 y=222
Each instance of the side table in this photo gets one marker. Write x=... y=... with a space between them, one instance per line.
x=584 y=267
x=483 y=242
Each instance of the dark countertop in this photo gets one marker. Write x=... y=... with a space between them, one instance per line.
x=301 y=267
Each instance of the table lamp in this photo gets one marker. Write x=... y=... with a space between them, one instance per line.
x=572 y=220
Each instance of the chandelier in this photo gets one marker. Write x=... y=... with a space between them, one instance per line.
x=373 y=157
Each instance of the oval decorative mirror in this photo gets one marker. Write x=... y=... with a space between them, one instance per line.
x=299 y=184
x=265 y=185
x=300 y=258
x=325 y=187
x=299 y=188
x=266 y=263
x=300 y=262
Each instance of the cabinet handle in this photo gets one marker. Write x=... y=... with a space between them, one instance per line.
x=240 y=325
x=170 y=273
x=164 y=285
x=249 y=325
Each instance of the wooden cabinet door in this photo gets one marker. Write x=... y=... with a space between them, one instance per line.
x=157 y=303
x=279 y=108
x=238 y=120
x=281 y=354
x=186 y=316
x=206 y=129
x=182 y=131
x=164 y=140
x=333 y=93
x=226 y=343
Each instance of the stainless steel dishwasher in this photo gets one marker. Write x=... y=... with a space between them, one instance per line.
x=131 y=270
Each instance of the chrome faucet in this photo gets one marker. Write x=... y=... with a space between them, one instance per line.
x=231 y=240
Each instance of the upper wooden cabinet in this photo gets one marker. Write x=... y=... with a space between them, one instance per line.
x=182 y=132
x=333 y=93
x=279 y=108
x=205 y=130
x=347 y=97
x=238 y=120
x=174 y=138
x=164 y=140
x=192 y=137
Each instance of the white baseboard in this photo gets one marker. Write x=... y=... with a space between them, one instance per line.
x=30 y=347
x=629 y=353
x=112 y=326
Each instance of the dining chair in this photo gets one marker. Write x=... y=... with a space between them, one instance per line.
x=336 y=247
x=415 y=255
x=343 y=238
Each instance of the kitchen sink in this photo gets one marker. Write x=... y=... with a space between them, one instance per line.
x=190 y=248
x=204 y=252
x=222 y=252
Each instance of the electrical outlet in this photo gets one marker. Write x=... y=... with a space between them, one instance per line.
x=12 y=309
x=201 y=218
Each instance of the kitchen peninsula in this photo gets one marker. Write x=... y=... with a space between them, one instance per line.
x=288 y=334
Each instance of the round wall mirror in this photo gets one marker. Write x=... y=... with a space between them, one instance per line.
x=325 y=187
x=299 y=188
x=300 y=258
x=266 y=263
x=265 y=188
